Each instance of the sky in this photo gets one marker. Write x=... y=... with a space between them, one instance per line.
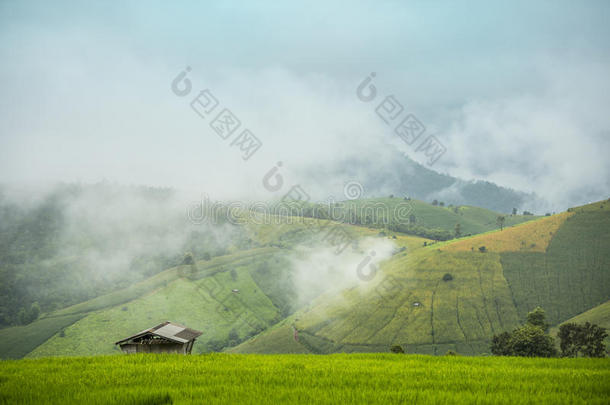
x=517 y=92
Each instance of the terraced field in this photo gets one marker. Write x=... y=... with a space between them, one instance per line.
x=414 y=304
x=428 y=299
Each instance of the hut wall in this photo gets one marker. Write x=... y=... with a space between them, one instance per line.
x=177 y=348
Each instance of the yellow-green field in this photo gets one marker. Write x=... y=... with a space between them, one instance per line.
x=304 y=379
x=532 y=236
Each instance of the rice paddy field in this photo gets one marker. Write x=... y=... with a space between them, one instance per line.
x=299 y=379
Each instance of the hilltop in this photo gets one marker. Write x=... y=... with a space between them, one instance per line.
x=399 y=174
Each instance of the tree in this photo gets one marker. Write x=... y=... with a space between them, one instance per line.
x=537 y=317
x=500 y=344
x=586 y=339
x=435 y=202
x=530 y=340
x=500 y=221
x=569 y=336
x=458 y=230
x=206 y=256
x=442 y=204
x=514 y=211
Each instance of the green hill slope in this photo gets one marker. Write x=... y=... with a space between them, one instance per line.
x=18 y=341
x=413 y=303
x=413 y=216
x=199 y=295
x=600 y=315
x=428 y=299
x=472 y=219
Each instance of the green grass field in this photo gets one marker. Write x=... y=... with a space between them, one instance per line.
x=304 y=379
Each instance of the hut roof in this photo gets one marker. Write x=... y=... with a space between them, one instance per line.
x=168 y=330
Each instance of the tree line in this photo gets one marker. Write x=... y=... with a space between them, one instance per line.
x=532 y=339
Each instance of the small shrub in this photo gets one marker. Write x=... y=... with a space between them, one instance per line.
x=397 y=349
x=482 y=249
x=447 y=277
x=451 y=353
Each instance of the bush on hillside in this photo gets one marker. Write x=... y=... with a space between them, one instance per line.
x=397 y=349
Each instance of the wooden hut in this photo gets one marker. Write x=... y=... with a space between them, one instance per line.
x=167 y=337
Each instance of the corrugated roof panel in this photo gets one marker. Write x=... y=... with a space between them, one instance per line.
x=168 y=330
x=188 y=334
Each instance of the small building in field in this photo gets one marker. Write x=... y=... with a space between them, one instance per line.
x=167 y=337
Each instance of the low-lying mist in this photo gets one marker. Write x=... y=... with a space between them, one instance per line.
x=68 y=243
x=319 y=269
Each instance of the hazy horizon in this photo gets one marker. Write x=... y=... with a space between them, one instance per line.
x=517 y=94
